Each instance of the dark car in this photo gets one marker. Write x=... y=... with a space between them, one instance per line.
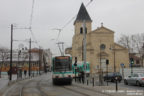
x=112 y=77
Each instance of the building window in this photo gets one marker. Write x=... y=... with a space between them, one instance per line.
x=81 y=30
x=102 y=46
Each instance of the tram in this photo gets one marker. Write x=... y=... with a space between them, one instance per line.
x=62 y=70
x=81 y=67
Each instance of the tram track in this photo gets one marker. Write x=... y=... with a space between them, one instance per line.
x=84 y=94
x=40 y=90
x=93 y=90
x=42 y=87
x=38 y=87
x=23 y=86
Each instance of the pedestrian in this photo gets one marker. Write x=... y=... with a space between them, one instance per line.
x=79 y=77
x=8 y=72
x=82 y=76
x=25 y=72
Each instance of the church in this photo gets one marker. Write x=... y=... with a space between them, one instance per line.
x=100 y=45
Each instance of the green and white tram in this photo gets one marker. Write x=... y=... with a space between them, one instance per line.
x=81 y=67
x=62 y=70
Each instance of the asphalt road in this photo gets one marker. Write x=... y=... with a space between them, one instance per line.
x=42 y=86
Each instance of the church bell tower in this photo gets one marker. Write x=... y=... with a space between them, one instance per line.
x=78 y=35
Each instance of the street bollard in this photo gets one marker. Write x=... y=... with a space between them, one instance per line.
x=116 y=84
x=87 y=82
x=93 y=81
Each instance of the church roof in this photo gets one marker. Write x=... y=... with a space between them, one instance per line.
x=82 y=14
x=102 y=29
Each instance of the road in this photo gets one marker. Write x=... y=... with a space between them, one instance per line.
x=42 y=86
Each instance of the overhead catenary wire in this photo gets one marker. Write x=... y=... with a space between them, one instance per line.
x=31 y=22
x=31 y=16
x=75 y=15
x=60 y=29
x=72 y=19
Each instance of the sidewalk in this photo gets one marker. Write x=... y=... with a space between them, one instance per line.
x=111 y=90
x=4 y=80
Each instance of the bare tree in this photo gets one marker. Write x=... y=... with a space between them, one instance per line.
x=134 y=44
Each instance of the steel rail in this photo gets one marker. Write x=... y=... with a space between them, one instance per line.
x=76 y=91
x=96 y=91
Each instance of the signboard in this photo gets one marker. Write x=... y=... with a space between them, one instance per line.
x=63 y=57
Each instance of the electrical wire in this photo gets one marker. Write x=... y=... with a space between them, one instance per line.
x=32 y=11
x=30 y=23
x=72 y=19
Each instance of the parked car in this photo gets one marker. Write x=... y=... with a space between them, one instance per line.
x=135 y=79
x=112 y=77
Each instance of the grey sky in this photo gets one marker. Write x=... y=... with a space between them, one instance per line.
x=121 y=16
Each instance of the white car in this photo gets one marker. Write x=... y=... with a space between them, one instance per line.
x=135 y=79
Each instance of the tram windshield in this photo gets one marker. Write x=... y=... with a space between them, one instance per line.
x=62 y=64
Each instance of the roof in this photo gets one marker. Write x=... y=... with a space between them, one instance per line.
x=104 y=29
x=83 y=14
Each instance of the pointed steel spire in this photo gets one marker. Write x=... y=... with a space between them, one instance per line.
x=83 y=14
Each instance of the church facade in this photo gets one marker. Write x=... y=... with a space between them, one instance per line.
x=100 y=45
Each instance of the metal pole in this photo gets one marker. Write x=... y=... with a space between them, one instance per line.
x=116 y=84
x=123 y=72
x=84 y=47
x=0 y=68
x=75 y=73
x=107 y=74
x=114 y=60
x=39 y=61
x=63 y=48
x=30 y=57
x=100 y=67
x=10 y=71
x=17 y=65
x=131 y=68
x=93 y=81
x=100 y=73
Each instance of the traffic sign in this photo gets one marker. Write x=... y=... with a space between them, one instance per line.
x=122 y=65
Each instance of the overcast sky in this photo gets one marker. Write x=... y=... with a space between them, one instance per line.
x=121 y=16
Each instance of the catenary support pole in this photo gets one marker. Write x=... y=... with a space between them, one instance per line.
x=10 y=71
x=30 y=57
x=84 y=47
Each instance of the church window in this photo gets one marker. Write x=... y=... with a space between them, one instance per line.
x=102 y=46
x=81 y=30
x=86 y=30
